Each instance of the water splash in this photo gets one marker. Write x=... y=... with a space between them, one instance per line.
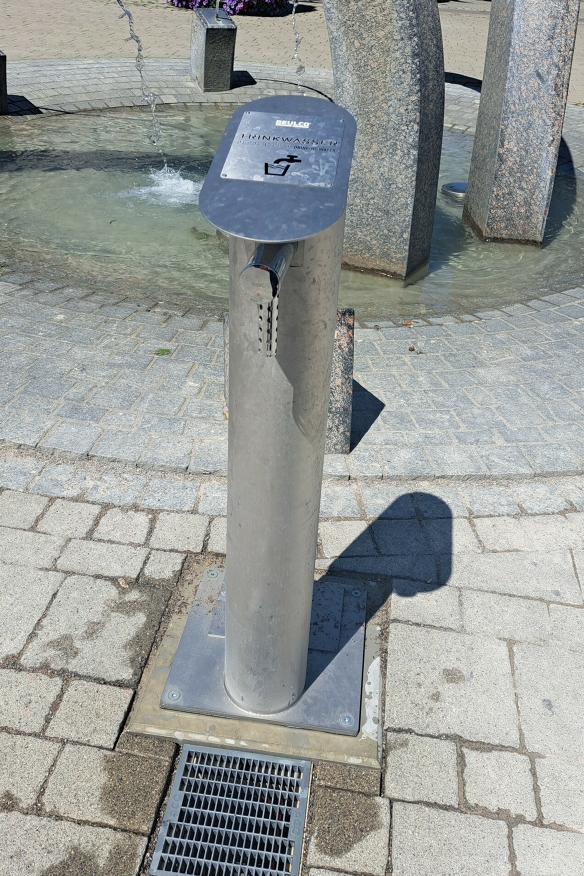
x=300 y=68
x=150 y=97
x=167 y=188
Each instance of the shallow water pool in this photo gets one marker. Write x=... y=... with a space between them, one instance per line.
x=87 y=197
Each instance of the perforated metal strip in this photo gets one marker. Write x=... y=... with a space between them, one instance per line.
x=233 y=813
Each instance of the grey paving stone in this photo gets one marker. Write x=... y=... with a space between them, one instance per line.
x=507 y=617
x=546 y=575
x=543 y=852
x=16 y=473
x=47 y=387
x=213 y=499
x=218 y=537
x=97 y=629
x=25 y=699
x=430 y=842
x=28 y=548
x=93 y=558
x=125 y=446
x=181 y=532
x=28 y=405
x=419 y=768
x=163 y=425
x=458 y=531
x=504 y=460
x=499 y=781
x=90 y=713
x=446 y=683
x=438 y=608
x=120 y=398
x=170 y=495
x=442 y=502
x=347 y=537
x=127 y=527
x=19 y=509
x=167 y=453
x=128 y=422
x=551 y=458
x=351 y=832
x=567 y=626
x=539 y=498
x=389 y=502
x=561 y=792
x=81 y=412
x=166 y=405
x=364 y=462
x=23 y=429
x=541 y=533
x=26 y=764
x=551 y=699
x=163 y=566
x=209 y=457
x=74 y=437
x=25 y=596
x=110 y=788
x=335 y=466
x=405 y=462
x=406 y=537
x=119 y=488
x=68 y=519
x=489 y=500
x=62 y=480
x=35 y=846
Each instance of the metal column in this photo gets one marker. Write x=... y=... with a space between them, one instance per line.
x=278 y=187
x=277 y=425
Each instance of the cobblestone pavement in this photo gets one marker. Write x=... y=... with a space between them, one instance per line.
x=497 y=393
x=71 y=86
x=64 y=30
x=483 y=734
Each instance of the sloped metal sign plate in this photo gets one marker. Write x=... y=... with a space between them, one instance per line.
x=284 y=149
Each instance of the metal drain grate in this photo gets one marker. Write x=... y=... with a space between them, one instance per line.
x=233 y=814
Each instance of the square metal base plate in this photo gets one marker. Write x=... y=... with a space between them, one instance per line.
x=332 y=697
x=231 y=733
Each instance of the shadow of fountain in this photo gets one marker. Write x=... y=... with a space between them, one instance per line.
x=18 y=105
x=406 y=551
x=366 y=410
x=564 y=195
x=449 y=236
x=466 y=81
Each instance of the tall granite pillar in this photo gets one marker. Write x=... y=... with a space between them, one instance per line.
x=388 y=69
x=519 y=126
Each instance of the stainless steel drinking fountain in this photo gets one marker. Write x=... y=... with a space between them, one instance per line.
x=263 y=640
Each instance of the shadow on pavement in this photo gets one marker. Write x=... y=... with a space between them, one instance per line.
x=409 y=543
x=366 y=409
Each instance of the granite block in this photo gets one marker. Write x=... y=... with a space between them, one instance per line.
x=519 y=126
x=338 y=427
x=212 y=49
x=388 y=70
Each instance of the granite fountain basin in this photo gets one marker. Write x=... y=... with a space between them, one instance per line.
x=87 y=197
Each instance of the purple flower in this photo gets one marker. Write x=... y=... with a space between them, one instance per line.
x=239 y=7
